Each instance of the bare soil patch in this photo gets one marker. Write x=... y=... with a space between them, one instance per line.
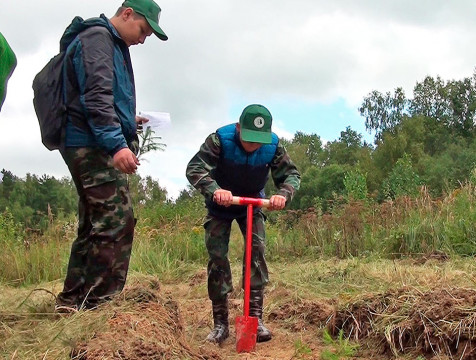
x=155 y=321
x=146 y=326
x=171 y=322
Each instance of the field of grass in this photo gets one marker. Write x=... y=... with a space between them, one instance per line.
x=382 y=281
x=303 y=299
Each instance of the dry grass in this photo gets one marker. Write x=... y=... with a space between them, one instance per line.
x=395 y=309
x=145 y=325
x=436 y=322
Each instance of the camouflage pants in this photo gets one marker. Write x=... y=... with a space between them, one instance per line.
x=217 y=238
x=100 y=255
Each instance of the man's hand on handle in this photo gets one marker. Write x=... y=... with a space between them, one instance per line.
x=223 y=197
x=125 y=161
x=277 y=202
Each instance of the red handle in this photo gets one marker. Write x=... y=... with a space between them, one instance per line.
x=241 y=200
x=249 y=234
x=249 y=202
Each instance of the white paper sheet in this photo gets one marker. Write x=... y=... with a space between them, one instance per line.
x=157 y=120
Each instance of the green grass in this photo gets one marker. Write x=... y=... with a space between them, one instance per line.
x=331 y=278
x=359 y=249
x=339 y=348
x=169 y=237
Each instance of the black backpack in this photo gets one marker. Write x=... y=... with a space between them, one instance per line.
x=48 y=88
x=49 y=103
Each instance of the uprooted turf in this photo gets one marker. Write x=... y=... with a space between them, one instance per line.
x=405 y=320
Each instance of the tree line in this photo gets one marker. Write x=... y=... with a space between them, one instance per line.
x=34 y=201
x=427 y=139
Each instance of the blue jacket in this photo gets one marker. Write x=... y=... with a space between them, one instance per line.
x=99 y=86
x=222 y=163
x=242 y=173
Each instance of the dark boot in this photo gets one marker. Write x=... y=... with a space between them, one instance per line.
x=220 y=319
x=256 y=310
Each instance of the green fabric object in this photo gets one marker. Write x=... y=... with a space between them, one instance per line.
x=151 y=11
x=255 y=124
x=8 y=62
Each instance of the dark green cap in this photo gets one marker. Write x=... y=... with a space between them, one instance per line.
x=255 y=124
x=151 y=11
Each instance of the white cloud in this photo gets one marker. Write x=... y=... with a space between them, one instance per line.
x=223 y=53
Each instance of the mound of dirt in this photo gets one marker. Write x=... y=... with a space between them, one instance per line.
x=145 y=326
x=298 y=315
x=438 y=322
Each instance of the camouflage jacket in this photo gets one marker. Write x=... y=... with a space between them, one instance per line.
x=202 y=170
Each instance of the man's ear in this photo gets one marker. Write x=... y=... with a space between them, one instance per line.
x=238 y=127
x=126 y=14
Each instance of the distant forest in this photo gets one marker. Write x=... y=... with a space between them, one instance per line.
x=427 y=140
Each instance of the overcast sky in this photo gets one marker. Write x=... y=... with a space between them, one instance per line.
x=311 y=62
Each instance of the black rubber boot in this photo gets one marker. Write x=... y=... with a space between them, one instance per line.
x=220 y=319
x=256 y=310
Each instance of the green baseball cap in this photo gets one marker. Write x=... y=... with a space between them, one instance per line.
x=151 y=11
x=255 y=124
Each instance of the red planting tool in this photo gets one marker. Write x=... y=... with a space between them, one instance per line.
x=246 y=326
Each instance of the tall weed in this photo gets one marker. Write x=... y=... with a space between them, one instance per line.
x=31 y=258
x=403 y=226
x=169 y=237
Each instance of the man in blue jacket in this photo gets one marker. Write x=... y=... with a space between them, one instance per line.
x=237 y=160
x=101 y=145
